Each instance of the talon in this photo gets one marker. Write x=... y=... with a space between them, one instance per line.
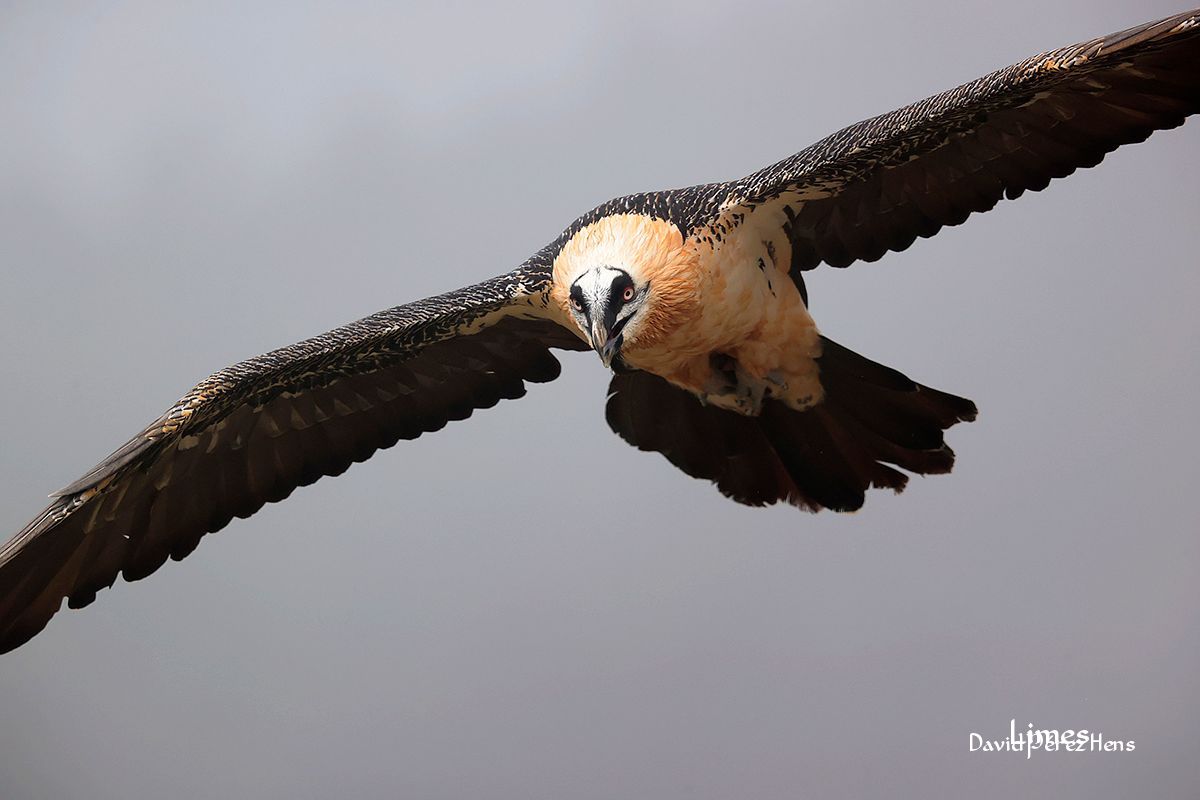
x=750 y=396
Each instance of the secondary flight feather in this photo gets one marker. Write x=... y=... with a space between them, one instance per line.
x=694 y=297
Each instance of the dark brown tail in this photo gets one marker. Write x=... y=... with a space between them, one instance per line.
x=872 y=417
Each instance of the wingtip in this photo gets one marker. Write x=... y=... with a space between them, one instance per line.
x=1167 y=26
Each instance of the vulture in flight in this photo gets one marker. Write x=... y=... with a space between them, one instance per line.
x=694 y=297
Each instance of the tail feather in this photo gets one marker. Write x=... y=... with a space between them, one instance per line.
x=882 y=400
x=872 y=420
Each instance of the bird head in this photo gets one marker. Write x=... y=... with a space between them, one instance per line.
x=625 y=281
x=605 y=302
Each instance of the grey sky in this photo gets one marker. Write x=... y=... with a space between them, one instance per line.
x=522 y=605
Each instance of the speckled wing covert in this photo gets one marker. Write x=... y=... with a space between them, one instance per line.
x=253 y=432
x=879 y=184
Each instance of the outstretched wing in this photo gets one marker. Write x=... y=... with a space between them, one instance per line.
x=253 y=432
x=877 y=185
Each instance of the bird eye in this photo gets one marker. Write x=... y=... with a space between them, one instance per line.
x=627 y=295
x=575 y=301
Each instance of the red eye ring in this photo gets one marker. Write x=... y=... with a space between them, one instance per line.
x=627 y=295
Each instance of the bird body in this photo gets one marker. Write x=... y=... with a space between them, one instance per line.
x=704 y=301
x=696 y=298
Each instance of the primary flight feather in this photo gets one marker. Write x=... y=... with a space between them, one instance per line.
x=695 y=297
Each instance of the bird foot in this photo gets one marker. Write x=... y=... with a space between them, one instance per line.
x=733 y=388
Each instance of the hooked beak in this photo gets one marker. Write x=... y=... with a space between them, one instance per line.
x=608 y=348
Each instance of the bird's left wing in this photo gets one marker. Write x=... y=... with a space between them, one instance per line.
x=253 y=432
x=879 y=184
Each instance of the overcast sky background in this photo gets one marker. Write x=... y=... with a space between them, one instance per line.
x=183 y=187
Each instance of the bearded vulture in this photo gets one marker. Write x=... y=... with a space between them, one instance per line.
x=694 y=297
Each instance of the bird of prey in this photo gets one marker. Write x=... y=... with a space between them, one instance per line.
x=694 y=297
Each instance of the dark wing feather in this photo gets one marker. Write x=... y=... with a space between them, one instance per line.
x=253 y=432
x=878 y=185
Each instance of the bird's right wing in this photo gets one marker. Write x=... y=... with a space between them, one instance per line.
x=253 y=432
